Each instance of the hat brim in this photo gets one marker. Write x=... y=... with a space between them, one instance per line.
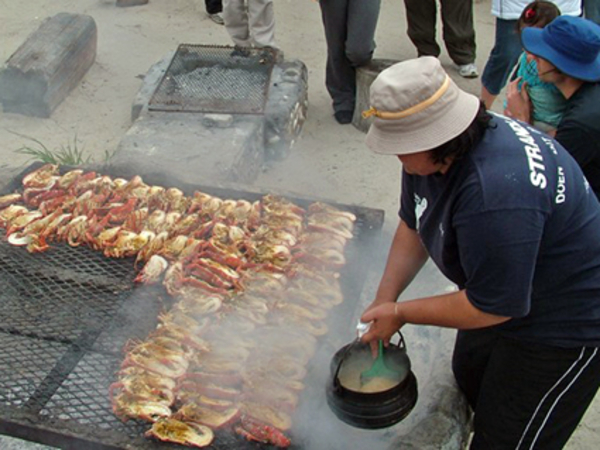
x=533 y=42
x=428 y=136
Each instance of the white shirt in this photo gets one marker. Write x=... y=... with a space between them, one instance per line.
x=512 y=9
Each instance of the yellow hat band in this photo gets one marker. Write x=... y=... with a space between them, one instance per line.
x=387 y=115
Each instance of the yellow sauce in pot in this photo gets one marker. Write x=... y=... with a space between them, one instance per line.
x=349 y=375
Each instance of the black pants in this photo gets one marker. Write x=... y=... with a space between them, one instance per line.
x=525 y=395
x=213 y=6
x=458 y=31
x=349 y=32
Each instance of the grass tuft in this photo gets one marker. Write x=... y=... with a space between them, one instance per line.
x=71 y=154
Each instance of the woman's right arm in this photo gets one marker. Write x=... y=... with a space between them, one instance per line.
x=406 y=257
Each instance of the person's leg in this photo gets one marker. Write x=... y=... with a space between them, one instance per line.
x=502 y=59
x=533 y=395
x=213 y=6
x=339 y=74
x=360 y=42
x=421 y=20
x=262 y=22
x=458 y=30
x=591 y=10
x=472 y=351
x=236 y=22
x=362 y=22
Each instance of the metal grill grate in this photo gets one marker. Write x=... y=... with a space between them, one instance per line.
x=83 y=397
x=24 y=364
x=65 y=315
x=64 y=294
x=215 y=79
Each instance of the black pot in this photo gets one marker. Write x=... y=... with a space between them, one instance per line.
x=372 y=410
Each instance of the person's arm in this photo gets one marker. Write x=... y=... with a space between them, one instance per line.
x=518 y=104
x=406 y=257
x=447 y=310
x=574 y=137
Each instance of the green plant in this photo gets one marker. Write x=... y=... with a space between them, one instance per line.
x=71 y=154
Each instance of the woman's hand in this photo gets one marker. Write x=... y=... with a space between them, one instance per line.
x=518 y=104
x=385 y=320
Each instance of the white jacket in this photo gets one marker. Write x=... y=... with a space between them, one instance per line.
x=512 y=9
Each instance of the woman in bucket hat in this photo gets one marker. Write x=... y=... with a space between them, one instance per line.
x=507 y=215
x=567 y=53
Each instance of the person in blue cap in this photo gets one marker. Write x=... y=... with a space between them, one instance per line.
x=567 y=53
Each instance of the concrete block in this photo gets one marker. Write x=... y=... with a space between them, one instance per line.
x=48 y=65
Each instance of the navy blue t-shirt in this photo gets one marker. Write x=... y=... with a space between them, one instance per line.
x=515 y=224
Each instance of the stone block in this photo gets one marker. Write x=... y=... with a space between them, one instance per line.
x=194 y=148
x=365 y=76
x=286 y=108
x=48 y=65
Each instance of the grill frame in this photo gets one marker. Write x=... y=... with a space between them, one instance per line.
x=226 y=77
x=35 y=418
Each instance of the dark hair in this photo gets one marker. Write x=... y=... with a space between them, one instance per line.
x=466 y=141
x=537 y=14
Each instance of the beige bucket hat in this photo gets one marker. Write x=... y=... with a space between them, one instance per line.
x=417 y=107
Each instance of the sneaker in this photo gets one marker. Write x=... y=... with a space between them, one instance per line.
x=468 y=70
x=343 y=117
x=217 y=18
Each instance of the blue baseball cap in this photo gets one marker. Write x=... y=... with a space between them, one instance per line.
x=571 y=44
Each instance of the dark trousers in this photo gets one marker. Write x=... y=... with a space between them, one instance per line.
x=213 y=6
x=525 y=395
x=349 y=32
x=458 y=31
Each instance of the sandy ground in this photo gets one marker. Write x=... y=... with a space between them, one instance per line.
x=328 y=158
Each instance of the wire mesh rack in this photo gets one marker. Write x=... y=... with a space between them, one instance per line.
x=65 y=315
x=215 y=79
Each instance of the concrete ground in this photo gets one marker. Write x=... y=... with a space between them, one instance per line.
x=329 y=160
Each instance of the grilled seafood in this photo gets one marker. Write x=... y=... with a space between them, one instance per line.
x=178 y=432
x=9 y=199
x=10 y=213
x=128 y=406
x=154 y=246
x=268 y=267
x=185 y=389
x=21 y=221
x=74 y=231
x=320 y=258
x=69 y=178
x=205 y=416
x=103 y=239
x=182 y=335
x=198 y=303
x=44 y=177
x=174 y=246
x=319 y=207
x=128 y=243
x=143 y=387
x=137 y=374
x=176 y=317
x=273 y=394
x=254 y=430
x=278 y=255
x=331 y=223
x=152 y=270
x=267 y=414
x=171 y=366
x=279 y=206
